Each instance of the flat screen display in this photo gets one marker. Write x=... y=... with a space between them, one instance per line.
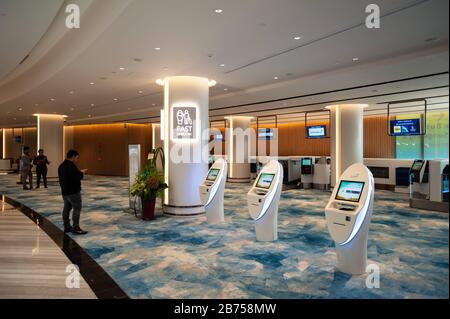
x=317 y=131
x=265 y=133
x=405 y=127
x=265 y=180
x=306 y=161
x=417 y=165
x=350 y=191
x=212 y=175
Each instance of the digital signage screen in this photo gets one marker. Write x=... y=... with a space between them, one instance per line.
x=350 y=191
x=265 y=180
x=317 y=131
x=212 y=175
x=265 y=133
x=405 y=127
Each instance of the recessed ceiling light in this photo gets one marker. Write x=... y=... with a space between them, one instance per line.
x=89 y=115
x=92 y=83
x=115 y=99
x=121 y=69
x=218 y=11
x=297 y=37
x=275 y=77
x=129 y=108
x=14 y=118
x=140 y=92
x=225 y=89
x=72 y=109
x=222 y=65
x=20 y=109
x=153 y=104
x=157 y=48
x=52 y=100
x=355 y=59
x=71 y=92
x=92 y=104
x=36 y=104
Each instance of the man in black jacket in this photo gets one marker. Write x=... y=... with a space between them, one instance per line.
x=41 y=163
x=70 y=181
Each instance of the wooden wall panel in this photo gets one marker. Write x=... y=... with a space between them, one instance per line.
x=377 y=142
x=104 y=148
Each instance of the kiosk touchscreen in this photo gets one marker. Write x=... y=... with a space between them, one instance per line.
x=416 y=171
x=263 y=199
x=348 y=216
x=212 y=191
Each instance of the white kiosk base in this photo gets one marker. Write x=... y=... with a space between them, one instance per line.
x=348 y=216
x=263 y=199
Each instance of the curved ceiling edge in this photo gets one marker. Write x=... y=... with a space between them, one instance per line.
x=60 y=45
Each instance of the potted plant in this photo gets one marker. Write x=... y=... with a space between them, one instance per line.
x=150 y=184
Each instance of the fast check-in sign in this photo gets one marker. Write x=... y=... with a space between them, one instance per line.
x=184 y=119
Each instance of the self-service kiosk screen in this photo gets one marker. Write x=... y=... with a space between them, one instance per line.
x=265 y=180
x=417 y=165
x=350 y=191
x=306 y=161
x=212 y=175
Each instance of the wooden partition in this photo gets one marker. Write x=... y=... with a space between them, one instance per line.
x=377 y=142
x=104 y=148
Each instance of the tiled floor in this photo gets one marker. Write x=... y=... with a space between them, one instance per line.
x=188 y=258
x=31 y=264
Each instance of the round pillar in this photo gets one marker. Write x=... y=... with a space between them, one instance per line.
x=185 y=127
x=346 y=137
x=238 y=137
x=50 y=132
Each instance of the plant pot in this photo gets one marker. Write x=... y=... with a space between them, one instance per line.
x=148 y=209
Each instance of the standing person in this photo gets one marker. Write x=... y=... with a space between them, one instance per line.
x=25 y=168
x=70 y=181
x=41 y=163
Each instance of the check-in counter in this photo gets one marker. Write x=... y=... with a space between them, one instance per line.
x=390 y=173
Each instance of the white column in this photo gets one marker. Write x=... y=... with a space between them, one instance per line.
x=185 y=118
x=237 y=142
x=156 y=136
x=346 y=137
x=50 y=132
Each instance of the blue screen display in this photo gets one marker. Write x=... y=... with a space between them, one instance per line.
x=265 y=133
x=318 y=131
x=405 y=127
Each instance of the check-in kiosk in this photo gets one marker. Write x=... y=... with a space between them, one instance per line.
x=263 y=199
x=307 y=172
x=419 y=174
x=348 y=216
x=212 y=191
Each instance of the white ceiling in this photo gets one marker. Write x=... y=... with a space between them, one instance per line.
x=253 y=38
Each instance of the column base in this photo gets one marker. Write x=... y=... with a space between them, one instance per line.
x=180 y=211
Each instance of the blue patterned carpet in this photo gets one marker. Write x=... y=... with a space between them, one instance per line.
x=188 y=258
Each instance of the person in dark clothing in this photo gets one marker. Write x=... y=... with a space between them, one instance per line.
x=70 y=181
x=41 y=163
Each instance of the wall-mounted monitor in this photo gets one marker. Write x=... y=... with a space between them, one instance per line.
x=212 y=175
x=350 y=191
x=316 y=131
x=265 y=180
x=265 y=134
x=406 y=127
